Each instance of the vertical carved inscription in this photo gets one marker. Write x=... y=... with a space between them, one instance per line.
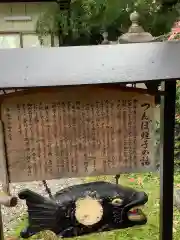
x=145 y=135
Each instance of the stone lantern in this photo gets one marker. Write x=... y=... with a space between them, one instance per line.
x=136 y=33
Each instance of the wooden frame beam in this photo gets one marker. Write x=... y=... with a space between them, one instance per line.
x=122 y=63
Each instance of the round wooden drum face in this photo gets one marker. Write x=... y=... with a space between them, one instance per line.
x=88 y=211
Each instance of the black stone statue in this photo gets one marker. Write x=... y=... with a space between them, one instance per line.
x=84 y=209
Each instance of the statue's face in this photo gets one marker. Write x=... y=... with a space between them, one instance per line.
x=120 y=206
x=127 y=212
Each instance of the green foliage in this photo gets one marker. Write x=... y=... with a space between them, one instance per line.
x=88 y=17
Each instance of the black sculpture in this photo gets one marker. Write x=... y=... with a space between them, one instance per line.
x=83 y=209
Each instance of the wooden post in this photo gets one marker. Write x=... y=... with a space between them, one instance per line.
x=1 y=226
x=7 y=200
x=167 y=160
x=4 y=178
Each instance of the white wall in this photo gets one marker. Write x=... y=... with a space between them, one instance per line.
x=21 y=9
x=33 y=10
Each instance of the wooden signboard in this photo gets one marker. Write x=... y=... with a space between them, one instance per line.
x=81 y=131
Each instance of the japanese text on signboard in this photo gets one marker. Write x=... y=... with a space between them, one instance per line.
x=77 y=133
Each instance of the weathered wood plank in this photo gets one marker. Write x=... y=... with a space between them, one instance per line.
x=87 y=132
x=3 y=167
x=1 y=226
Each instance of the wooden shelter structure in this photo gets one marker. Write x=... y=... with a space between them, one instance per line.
x=107 y=67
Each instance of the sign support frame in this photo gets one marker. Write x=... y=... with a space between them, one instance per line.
x=157 y=61
x=167 y=122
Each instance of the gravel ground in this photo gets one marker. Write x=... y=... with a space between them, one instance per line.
x=12 y=215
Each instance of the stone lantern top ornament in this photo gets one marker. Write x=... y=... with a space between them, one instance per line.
x=136 y=33
x=135 y=27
